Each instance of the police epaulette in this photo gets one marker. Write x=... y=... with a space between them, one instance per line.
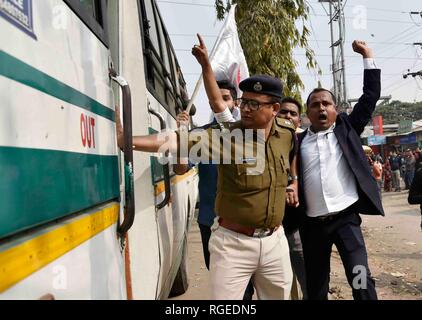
x=285 y=123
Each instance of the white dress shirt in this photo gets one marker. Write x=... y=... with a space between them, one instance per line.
x=329 y=183
x=228 y=116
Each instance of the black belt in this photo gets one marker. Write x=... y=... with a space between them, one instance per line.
x=331 y=217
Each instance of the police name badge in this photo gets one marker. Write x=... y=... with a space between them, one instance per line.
x=248 y=160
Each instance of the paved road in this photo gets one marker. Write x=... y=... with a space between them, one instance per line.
x=394 y=245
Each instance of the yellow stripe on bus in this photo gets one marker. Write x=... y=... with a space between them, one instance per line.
x=23 y=260
x=160 y=187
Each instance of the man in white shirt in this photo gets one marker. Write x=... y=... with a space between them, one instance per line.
x=336 y=185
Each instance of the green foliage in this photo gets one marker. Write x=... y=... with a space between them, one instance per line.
x=395 y=111
x=269 y=31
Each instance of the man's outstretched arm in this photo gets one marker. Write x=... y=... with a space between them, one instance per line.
x=150 y=143
x=363 y=110
x=210 y=83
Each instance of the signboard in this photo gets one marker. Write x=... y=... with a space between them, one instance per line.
x=396 y=141
x=377 y=124
x=18 y=13
x=377 y=140
x=405 y=126
x=409 y=139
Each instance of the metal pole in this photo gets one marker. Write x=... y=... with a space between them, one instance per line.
x=342 y=40
x=333 y=66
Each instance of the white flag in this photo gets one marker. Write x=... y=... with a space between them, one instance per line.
x=227 y=58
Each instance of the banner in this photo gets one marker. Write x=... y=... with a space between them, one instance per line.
x=377 y=140
x=405 y=126
x=378 y=126
x=409 y=139
x=227 y=58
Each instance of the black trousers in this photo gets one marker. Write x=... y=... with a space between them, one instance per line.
x=205 y=236
x=318 y=237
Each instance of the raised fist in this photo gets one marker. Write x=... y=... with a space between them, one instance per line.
x=362 y=48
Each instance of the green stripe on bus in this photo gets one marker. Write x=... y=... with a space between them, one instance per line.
x=38 y=186
x=21 y=72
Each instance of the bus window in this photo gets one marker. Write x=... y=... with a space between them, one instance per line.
x=94 y=7
x=152 y=26
x=162 y=70
x=93 y=14
x=176 y=71
x=164 y=49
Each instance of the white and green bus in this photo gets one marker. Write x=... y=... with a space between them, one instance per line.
x=79 y=219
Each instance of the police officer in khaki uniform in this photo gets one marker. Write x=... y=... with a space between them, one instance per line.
x=248 y=241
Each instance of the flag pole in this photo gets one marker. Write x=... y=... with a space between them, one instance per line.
x=211 y=55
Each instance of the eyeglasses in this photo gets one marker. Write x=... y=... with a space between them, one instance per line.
x=252 y=104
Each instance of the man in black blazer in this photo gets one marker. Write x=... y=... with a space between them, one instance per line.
x=415 y=192
x=336 y=185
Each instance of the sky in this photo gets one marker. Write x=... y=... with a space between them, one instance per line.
x=385 y=25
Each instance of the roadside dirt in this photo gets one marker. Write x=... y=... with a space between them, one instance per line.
x=394 y=244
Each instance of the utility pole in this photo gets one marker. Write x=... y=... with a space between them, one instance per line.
x=337 y=52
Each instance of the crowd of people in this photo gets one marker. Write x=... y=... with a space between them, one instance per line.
x=264 y=225
x=397 y=167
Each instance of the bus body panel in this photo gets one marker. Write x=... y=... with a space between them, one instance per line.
x=57 y=120
x=56 y=107
x=92 y=270
x=157 y=235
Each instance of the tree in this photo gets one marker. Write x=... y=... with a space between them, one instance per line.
x=268 y=32
x=395 y=111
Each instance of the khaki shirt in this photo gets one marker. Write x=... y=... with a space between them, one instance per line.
x=249 y=194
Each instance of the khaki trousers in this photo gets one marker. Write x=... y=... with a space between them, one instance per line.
x=235 y=258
